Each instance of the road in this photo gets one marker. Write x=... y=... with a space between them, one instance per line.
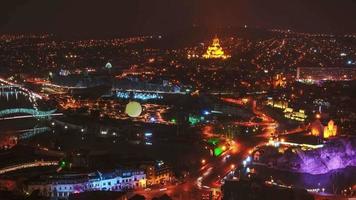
x=208 y=179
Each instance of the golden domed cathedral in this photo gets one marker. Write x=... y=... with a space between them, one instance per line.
x=318 y=129
x=215 y=51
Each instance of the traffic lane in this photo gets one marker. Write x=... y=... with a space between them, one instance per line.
x=222 y=166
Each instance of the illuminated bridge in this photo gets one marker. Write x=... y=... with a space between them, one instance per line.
x=6 y=84
x=28 y=165
x=33 y=132
x=32 y=113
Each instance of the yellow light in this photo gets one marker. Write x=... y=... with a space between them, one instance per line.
x=318 y=116
x=223 y=148
x=133 y=109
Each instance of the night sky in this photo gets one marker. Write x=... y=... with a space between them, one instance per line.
x=162 y=16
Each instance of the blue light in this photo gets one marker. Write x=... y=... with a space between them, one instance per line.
x=160 y=163
x=248 y=159
x=152 y=119
x=248 y=170
x=206 y=112
x=244 y=163
x=123 y=95
x=349 y=62
x=138 y=95
x=148 y=134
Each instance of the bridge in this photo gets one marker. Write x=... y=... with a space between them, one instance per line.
x=32 y=97
x=32 y=113
x=32 y=132
x=28 y=165
x=6 y=84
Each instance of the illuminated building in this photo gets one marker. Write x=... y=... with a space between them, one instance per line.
x=289 y=112
x=138 y=95
x=215 y=51
x=61 y=186
x=295 y=115
x=330 y=130
x=159 y=87
x=157 y=173
x=318 y=129
x=277 y=104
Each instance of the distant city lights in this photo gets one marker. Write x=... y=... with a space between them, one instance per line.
x=138 y=96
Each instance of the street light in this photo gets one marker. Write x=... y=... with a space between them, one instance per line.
x=318 y=116
x=232 y=166
x=203 y=161
x=223 y=148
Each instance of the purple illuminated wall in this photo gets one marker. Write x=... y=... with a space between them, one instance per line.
x=336 y=154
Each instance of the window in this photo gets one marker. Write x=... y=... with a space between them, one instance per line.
x=109 y=183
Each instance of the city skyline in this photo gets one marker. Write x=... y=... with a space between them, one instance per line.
x=178 y=100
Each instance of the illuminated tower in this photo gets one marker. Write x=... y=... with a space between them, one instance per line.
x=215 y=51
